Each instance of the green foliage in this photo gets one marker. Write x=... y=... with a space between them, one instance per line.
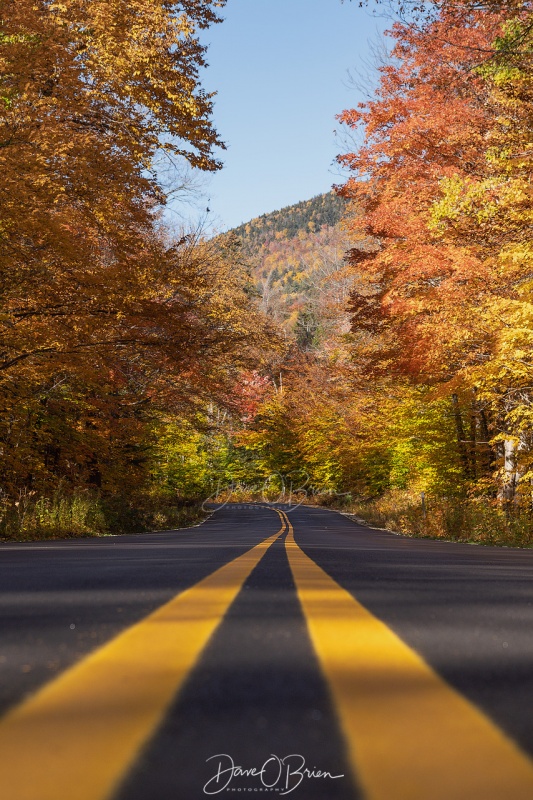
x=59 y=516
x=86 y=513
x=272 y=439
x=423 y=450
x=190 y=460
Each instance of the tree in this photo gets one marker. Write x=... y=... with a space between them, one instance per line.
x=107 y=321
x=91 y=92
x=489 y=215
x=428 y=121
x=420 y=300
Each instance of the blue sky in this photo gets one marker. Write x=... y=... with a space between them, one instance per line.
x=280 y=68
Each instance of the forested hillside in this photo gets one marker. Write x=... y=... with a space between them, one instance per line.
x=307 y=216
x=296 y=257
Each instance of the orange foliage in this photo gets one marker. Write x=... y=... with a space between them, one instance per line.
x=428 y=121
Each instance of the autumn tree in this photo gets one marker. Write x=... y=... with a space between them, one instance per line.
x=489 y=215
x=428 y=123
x=107 y=320
x=91 y=92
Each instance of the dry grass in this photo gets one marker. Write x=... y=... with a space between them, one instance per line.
x=478 y=519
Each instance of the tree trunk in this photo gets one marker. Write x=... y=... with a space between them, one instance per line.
x=473 y=436
x=489 y=456
x=508 y=489
x=463 y=454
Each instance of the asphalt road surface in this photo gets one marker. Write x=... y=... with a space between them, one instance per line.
x=271 y=651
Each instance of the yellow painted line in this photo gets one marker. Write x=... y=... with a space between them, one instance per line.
x=77 y=736
x=409 y=735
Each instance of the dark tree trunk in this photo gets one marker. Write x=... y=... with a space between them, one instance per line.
x=473 y=436
x=461 y=443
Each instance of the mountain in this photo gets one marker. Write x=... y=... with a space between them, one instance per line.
x=296 y=258
x=308 y=216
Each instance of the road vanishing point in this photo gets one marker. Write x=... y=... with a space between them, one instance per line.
x=271 y=651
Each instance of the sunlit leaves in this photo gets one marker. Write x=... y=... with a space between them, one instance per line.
x=108 y=321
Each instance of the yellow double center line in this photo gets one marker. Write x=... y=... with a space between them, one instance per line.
x=77 y=736
x=410 y=736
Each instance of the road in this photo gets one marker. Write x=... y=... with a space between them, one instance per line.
x=271 y=651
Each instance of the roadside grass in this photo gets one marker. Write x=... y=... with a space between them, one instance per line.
x=88 y=514
x=480 y=520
